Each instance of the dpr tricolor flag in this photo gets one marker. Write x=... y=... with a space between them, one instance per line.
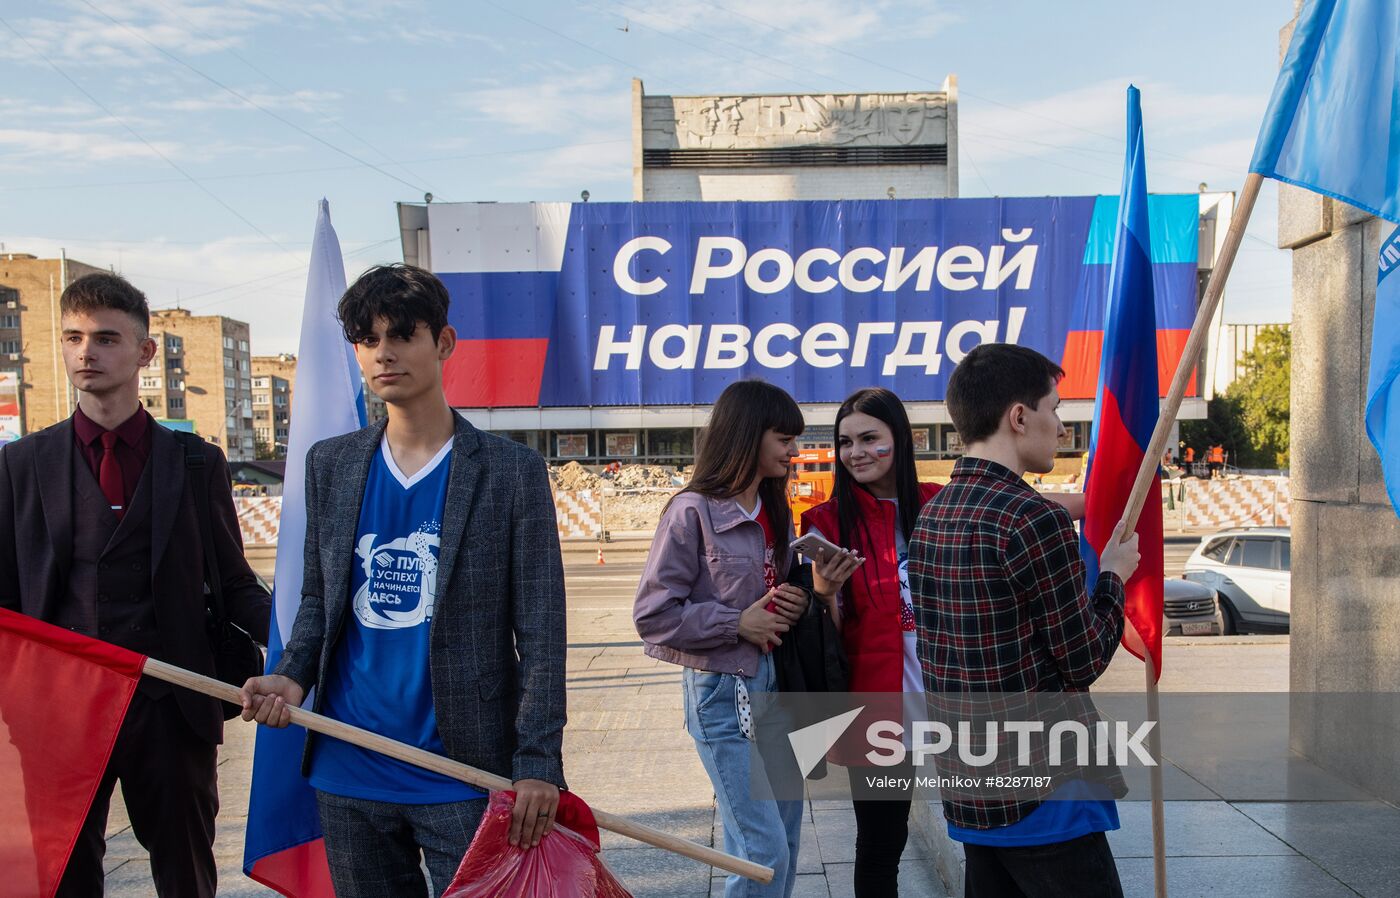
x=1126 y=410
x=283 y=848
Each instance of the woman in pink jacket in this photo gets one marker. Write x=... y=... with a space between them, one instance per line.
x=713 y=599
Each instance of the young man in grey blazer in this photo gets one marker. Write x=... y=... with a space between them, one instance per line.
x=432 y=610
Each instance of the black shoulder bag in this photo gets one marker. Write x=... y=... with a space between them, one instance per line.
x=236 y=655
x=811 y=657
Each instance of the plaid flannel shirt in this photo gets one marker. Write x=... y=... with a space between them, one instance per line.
x=1001 y=605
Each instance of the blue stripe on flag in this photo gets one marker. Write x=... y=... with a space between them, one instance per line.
x=1174 y=220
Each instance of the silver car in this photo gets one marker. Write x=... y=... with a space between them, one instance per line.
x=1249 y=569
x=1190 y=609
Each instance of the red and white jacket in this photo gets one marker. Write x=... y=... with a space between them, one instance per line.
x=871 y=603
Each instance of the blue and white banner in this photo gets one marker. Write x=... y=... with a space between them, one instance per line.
x=597 y=304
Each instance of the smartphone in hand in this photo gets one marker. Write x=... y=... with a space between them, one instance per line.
x=814 y=547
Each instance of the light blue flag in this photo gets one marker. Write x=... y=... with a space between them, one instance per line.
x=1382 y=387
x=1333 y=125
x=282 y=847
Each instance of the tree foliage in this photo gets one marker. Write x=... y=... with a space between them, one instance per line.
x=1251 y=419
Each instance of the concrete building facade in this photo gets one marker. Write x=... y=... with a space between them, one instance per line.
x=795 y=146
x=218 y=377
x=272 y=414
x=283 y=365
x=1345 y=620
x=274 y=382
x=163 y=382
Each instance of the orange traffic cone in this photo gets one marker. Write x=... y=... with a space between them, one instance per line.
x=600 y=555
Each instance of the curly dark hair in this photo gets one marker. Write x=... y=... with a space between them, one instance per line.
x=404 y=295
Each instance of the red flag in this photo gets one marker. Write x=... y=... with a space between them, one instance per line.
x=62 y=701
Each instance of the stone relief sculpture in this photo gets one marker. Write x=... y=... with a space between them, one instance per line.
x=903 y=119
x=754 y=122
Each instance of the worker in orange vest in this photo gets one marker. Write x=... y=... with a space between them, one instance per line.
x=1216 y=459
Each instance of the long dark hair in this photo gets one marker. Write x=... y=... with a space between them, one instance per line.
x=726 y=461
x=881 y=404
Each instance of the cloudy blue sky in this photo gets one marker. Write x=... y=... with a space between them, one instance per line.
x=186 y=143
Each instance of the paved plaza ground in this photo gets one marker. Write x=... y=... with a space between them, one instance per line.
x=627 y=751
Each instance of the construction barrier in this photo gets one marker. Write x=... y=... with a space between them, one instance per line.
x=258 y=519
x=1192 y=504
x=1187 y=504
x=580 y=513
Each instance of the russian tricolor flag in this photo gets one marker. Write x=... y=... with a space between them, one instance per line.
x=1126 y=408
x=283 y=848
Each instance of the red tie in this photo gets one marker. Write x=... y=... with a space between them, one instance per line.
x=109 y=474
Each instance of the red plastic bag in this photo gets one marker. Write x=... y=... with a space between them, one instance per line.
x=564 y=865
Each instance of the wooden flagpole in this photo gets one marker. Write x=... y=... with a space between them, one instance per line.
x=458 y=771
x=1192 y=352
x=1143 y=485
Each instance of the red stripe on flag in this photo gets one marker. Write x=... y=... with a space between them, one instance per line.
x=495 y=373
x=1084 y=352
x=1117 y=457
x=301 y=871
x=62 y=701
x=1170 y=346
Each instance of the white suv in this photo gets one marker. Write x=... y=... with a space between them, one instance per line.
x=1249 y=569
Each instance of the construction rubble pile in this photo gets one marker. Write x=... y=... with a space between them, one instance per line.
x=628 y=498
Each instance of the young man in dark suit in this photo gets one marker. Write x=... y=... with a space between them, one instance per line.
x=432 y=610
x=100 y=533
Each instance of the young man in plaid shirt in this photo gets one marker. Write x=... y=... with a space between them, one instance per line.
x=1002 y=607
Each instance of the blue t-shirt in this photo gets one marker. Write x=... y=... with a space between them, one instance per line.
x=1071 y=811
x=379 y=677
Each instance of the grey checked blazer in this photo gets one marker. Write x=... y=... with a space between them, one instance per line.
x=496 y=644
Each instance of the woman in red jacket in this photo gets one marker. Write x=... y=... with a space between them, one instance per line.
x=872 y=513
x=876 y=503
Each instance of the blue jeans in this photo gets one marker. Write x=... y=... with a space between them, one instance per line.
x=763 y=831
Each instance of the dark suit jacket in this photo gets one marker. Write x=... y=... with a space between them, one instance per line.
x=36 y=545
x=497 y=643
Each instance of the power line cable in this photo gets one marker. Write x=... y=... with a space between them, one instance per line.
x=145 y=182
x=253 y=103
x=275 y=279
x=573 y=40
x=134 y=133
x=743 y=48
x=305 y=106
x=832 y=46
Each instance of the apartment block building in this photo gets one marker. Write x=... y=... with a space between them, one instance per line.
x=218 y=377
x=272 y=413
x=29 y=347
x=163 y=382
x=274 y=382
